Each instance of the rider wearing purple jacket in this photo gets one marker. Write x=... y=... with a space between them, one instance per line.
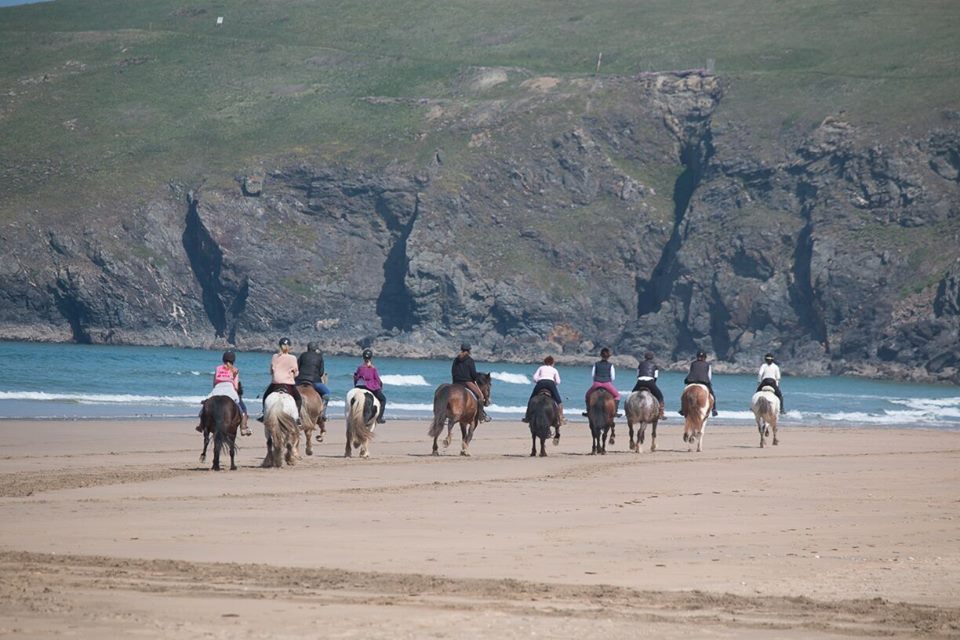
x=366 y=377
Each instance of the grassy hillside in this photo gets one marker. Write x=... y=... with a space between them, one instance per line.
x=102 y=98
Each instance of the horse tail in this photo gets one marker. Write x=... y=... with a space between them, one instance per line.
x=690 y=403
x=542 y=414
x=596 y=410
x=439 y=410
x=764 y=406
x=357 y=428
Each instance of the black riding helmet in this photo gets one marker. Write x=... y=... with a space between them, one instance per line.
x=368 y=354
x=229 y=356
x=284 y=342
x=768 y=357
x=701 y=355
x=648 y=355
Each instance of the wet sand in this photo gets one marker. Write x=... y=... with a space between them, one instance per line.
x=114 y=528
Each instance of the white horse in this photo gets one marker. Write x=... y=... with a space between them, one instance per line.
x=362 y=409
x=642 y=409
x=766 y=409
x=280 y=429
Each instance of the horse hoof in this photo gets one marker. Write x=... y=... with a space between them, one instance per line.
x=320 y=438
x=233 y=467
x=612 y=440
x=203 y=457
x=653 y=448
x=309 y=452
x=776 y=442
x=766 y=432
x=543 y=454
x=435 y=453
x=533 y=454
x=556 y=441
x=465 y=454
x=685 y=439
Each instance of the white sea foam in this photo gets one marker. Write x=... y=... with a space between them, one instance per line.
x=99 y=398
x=511 y=378
x=396 y=380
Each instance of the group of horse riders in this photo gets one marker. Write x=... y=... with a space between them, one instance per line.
x=604 y=373
x=288 y=371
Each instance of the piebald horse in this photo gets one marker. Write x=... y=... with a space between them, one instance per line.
x=696 y=404
x=766 y=409
x=311 y=414
x=220 y=417
x=280 y=428
x=642 y=409
x=601 y=410
x=454 y=403
x=362 y=409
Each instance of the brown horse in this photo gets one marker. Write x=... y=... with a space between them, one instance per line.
x=642 y=409
x=452 y=404
x=601 y=410
x=311 y=414
x=696 y=403
x=220 y=416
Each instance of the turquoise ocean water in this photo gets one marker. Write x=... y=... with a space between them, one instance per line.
x=86 y=381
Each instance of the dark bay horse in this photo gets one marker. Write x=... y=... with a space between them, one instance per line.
x=220 y=417
x=601 y=409
x=543 y=414
x=452 y=404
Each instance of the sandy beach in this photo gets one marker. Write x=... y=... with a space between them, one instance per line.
x=113 y=528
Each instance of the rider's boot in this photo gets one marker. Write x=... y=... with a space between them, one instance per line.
x=526 y=416
x=483 y=415
x=617 y=409
x=244 y=429
x=326 y=403
x=713 y=408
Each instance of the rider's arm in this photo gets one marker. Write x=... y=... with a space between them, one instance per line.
x=613 y=373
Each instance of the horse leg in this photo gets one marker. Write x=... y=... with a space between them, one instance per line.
x=449 y=438
x=556 y=436
x=206 y=441
x=700 y=438
x=773 y=425
x=467 y=437
x=533 y=450
x=633 y=444
x=603 y=442
x=760 y=428
x=308 y=436
x=595 y=440
x=217 y=443
x=348 y=452
x=364 y=451
x=543 y=451
x=436 y=451
x=232 y=441
x=653 y=437
x=613 y=435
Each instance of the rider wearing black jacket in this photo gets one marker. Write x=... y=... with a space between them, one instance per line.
x=647 y=374
x=464 y=371
x=701 y=373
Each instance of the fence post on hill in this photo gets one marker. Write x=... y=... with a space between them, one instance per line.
x=599 y=60
x=711 y=65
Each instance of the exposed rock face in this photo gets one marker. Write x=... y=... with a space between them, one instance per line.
x=625 y=214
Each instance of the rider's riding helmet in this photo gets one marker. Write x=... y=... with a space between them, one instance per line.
x=368 y=354
x=229 y=356
x=701 y=355
x=648 y=355
x=313 y=346
x=284 y=342
x=465 y=346
x=768 y=357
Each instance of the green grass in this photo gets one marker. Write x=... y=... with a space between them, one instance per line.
x=164 y=94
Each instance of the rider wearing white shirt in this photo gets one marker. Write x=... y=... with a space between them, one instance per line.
x=769 y=376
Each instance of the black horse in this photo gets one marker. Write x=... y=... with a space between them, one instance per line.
x=543 y=414
x=220 y=417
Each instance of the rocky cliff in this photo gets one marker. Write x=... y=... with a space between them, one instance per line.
x=575 y=213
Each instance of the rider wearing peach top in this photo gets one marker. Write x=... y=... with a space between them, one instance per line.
x=283 y=373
